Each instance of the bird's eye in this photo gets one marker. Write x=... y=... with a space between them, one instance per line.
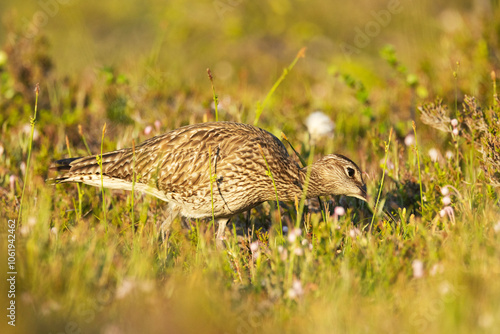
x=350 y=171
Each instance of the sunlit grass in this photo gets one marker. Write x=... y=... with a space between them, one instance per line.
x=432 y=270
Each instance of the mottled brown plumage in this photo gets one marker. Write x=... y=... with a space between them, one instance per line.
x=175 y=167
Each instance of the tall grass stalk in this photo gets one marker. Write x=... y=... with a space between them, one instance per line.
x=455 y=76
x=30 y=146
x=418 y=164
x=305 y=188
x=80 y=192
x=494 y=80
x=99 y=161
x=300 y=210
x=260 y=106
x=213 y=178
x=80 y=132
x=270 y=174
x=216 y=98
x=384 y=168
x=455 y=140
x=304 y=164
x=132 y=198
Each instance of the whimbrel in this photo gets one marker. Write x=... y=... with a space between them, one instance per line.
x=215 y=165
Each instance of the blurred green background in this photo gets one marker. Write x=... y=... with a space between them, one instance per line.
x=249 y=42
x=155 y=55
x=369 y=66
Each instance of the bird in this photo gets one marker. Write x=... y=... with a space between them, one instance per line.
x=214 y=170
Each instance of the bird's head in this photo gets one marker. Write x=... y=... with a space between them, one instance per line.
x=335 y=174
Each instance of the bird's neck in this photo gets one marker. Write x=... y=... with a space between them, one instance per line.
x=306 y=178
x=311 y=181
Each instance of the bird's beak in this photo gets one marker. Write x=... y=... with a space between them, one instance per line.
x=363 y=194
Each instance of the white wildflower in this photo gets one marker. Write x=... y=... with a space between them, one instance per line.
x=496 y=227
x=24 y=230
x=446 y=200
x=254 y=246
x=454 y=122
x=434 y=154
x=354 y=232
x=12 y=182
x=126 y=286
x=31 y=221
x=455 y=132
x=319 y=125
x=449 y=155
x=418 y=268
x=296 y=290
x=157 y=125
x=148 y=129
x=339 y=211
x=298 y=251
x=23 y=168
x=445 y=191
x=448 y=211
x=27 y=131
x=410 y=140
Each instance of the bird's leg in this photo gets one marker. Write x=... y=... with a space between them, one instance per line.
x=220 y=232
x=165 y=227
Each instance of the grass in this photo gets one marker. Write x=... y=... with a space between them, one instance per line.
x=30 y=147
x=261 y=106
x=213 y=178
x=384 y=168
x=100 y=162
x=270 y=174
x=432 y=270
x=216 y=99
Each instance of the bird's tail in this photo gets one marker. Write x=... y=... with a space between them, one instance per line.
x=117 y=172
x=77 y=169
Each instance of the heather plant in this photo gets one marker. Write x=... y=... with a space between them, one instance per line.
x=472 y=126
